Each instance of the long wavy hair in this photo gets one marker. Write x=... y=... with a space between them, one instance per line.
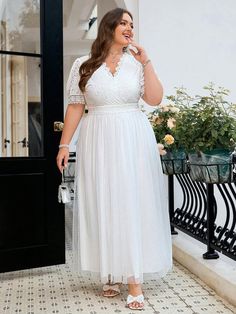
x=101 y=45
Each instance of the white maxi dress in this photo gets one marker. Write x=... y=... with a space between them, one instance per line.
x=121 y=228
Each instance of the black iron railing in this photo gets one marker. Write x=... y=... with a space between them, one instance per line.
x=199 y=211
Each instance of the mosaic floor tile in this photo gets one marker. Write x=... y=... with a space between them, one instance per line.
x=183 y=310
x=180 y=282
x=159 y=293
x=211 y=310
x=190 y=292
x=203 y=300
x=166 y=303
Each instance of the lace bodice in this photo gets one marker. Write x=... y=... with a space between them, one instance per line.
x=103 y=88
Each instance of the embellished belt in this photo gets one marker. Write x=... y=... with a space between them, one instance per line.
x=99 y=109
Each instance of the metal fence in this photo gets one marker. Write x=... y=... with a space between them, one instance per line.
x=199 y=211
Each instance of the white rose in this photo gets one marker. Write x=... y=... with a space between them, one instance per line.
x=174 y=109
x=171 y=122
x=161 y=149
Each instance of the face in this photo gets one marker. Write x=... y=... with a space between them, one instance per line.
x=124 y=31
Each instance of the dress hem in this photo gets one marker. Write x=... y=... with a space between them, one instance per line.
x=97 y=277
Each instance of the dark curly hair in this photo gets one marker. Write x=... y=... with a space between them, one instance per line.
x=101 y=45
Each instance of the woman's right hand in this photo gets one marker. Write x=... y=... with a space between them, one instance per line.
x=62 y=158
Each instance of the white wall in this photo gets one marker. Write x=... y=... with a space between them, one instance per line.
x=190 y=42
x=104 y=6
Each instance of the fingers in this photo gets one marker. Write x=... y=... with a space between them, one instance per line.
x=135 y=50
x=60 y=163
x=66 y=160
x=138 y=52
x=135 y=45
x=62 y=160
x=133 y=53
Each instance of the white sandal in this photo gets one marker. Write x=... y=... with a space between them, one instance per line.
x=139 y=299
x=114 y=288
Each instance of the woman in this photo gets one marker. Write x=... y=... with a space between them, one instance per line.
x=121 y=227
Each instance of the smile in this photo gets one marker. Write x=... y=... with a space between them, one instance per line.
x=127 y=36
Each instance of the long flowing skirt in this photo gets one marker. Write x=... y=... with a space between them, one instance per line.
x=121 y=227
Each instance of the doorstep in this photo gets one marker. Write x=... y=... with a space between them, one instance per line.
x=218 y=274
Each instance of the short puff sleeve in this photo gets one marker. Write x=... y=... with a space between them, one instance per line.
x=74 y=94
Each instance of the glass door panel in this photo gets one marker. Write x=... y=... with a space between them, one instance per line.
x=20 y=107
x=20 y=25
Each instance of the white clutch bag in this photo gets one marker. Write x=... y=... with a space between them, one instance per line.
x=64 y=195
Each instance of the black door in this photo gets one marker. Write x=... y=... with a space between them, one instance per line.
x=31 y=84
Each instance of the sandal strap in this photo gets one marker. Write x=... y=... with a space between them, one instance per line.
x=139 y=298
x=111 y=287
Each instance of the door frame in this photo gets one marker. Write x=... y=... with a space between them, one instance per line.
x=52 y=96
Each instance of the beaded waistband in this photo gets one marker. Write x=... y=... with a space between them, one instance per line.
x=113 y=108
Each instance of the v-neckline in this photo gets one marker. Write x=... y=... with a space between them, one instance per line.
x=117 y=69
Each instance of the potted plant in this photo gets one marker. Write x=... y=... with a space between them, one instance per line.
x=163 y=121
x=206 y=128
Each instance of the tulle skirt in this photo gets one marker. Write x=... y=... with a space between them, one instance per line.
x=121 y=227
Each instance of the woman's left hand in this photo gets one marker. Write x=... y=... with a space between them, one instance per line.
x=140 y=54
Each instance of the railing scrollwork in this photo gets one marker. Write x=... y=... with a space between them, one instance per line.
x=200 y=215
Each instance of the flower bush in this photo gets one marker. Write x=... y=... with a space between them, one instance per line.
x=196 y=123
x=202 y=126
x=205 y=122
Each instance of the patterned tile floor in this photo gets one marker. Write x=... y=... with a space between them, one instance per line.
x=56 y=290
